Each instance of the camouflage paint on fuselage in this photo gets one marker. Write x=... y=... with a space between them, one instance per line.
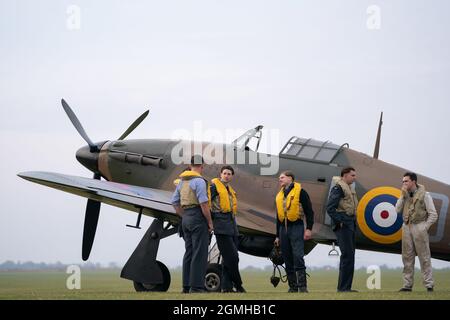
x=256 y=192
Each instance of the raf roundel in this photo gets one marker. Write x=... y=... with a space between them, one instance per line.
x=377 y=217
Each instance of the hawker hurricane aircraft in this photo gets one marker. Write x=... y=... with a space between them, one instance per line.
x=138 y=175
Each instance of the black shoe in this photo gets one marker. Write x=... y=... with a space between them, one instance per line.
x=198 y=290
x=292 y=282
x=228 y=290
x=430 y=289
x=240 y=289
x=351 y=290
x=301 y=281
x=405 y=289
x=185 y=290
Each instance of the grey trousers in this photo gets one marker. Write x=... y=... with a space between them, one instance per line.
x=228 y=247
x=196 y=240
x=293 y=247
x=415 y=241
x=346 y=240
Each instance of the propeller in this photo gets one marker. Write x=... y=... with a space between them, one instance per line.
x=77 y=124
x=90 y=224
x=134 y=125
x=93 y=206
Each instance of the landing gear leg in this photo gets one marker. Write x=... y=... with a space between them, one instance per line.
x=142 y=268
x=214 y=278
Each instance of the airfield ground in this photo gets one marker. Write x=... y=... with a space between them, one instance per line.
x=108 y=285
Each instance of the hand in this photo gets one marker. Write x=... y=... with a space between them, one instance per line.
x=404 y=191
x=276 y=243
x=210 y=227
x=307 y=235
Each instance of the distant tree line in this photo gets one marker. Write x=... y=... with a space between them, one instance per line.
x=57 y=266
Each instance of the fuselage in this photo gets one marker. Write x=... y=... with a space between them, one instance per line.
x=155 y=163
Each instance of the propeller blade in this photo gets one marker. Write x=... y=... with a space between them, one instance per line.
x=76 y=123
x=134 y=125
x=90 y=224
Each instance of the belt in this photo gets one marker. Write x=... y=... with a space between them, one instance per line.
x=223 y=214
x=413 y=222
x=292 y=222
x=191 y=206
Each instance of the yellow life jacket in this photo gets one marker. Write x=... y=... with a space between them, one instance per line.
x=188 y=197
x=227 y=198
x=289 y=207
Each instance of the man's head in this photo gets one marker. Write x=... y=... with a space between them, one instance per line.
x=286 y=178
x=348 y=175
x=226 y=174
x=409 y=181
x=197 y=163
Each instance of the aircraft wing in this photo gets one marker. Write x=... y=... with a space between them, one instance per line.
x=155 y=202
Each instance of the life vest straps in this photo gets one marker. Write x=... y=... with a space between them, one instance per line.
x=190 y=174
x=227 y=196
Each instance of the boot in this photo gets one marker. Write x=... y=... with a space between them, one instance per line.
x=240 y=289
x=301 y=280
x=292 y=281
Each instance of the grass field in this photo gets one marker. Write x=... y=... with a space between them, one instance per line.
x=108 y=285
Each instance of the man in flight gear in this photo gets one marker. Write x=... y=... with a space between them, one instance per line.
x=419 y=214
x=223 y=211
x=191 y=201
x=341 y=207
x=293 y=204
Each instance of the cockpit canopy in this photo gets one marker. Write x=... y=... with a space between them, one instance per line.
x=249 y=140
x=295 y=148
x=311 y=150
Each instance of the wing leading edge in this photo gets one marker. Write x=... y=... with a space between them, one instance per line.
x=154 y=202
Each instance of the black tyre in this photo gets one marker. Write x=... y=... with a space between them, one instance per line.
x=161 y=287
x=213 y=278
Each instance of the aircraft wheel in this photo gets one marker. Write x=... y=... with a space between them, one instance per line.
x=161 y=287
x=213 y=278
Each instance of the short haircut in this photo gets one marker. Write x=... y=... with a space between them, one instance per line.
x=288 y=173
x=347 y=170
x=411 y=175
x=227 y=168
x=197 y=160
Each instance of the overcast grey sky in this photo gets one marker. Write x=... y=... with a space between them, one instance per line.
x=305 y=68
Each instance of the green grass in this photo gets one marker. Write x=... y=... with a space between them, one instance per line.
x=108 y=285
